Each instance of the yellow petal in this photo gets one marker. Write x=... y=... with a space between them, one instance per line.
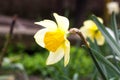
x=39 y=37
x=67 y=53
x=99 y=38
x=54 y=57
x=48 y=24
x=62 y=22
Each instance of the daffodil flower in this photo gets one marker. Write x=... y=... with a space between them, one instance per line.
x=89 y=29
x=113 y=7
x=54 y=38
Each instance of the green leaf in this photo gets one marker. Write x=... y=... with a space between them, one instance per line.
x=119 y=32
x=114 y=26
x=104 y=62
x=95 y=46
x=113 y=44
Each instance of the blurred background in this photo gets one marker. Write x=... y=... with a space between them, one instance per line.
x=22 y=48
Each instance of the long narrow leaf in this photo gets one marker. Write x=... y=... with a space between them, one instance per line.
x=119 y=32
x=105 y=61
x=114 y=26
x=95 y=46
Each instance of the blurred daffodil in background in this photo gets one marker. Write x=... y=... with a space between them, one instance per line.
x=90 y=30
x=54 y=38
x=113 y=7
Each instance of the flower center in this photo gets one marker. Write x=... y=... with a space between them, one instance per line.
x=54 y=39
x=96 y=31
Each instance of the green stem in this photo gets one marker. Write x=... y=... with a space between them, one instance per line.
x=92 y=56
x=3 y=52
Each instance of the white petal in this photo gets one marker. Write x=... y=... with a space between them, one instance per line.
x=54 y=57
x=48 y=24
x=100 y=19
x=62 y=22
x=88 y=23
x=85 y=31
x=67 y=53
x=39 y=37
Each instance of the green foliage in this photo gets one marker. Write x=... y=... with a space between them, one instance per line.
x=80 y=61
x=80 y=65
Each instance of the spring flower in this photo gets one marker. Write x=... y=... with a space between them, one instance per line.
x=90 y=29
x=113 y=7
x=54 y=38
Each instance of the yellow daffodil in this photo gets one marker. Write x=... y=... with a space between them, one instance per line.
x=90 y=30
x=54 y=38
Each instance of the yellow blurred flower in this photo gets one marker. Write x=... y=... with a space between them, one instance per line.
x=90 y=30
x=54 y=38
